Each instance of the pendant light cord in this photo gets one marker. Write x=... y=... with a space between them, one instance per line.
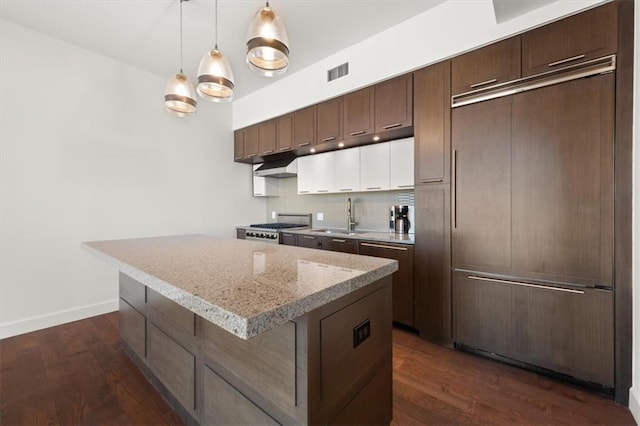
x=216 y=9
x=181 y=37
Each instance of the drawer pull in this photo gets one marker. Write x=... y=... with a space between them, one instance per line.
x=346 y=189
x=251 y=155
x=384 y=247
x=359 y=132
x=284 y=148
x=374 y=187
x=518 y=283
x=330 y=138
x=482 y=83
x=431 y=181
x=391 y=126
x=308 y=237
x=339 y=241
x=564 y=61
x=268 y=152
x=323 y=190
x=304 y=144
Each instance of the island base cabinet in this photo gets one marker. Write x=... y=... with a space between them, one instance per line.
x=566 y=330
x=132 y=328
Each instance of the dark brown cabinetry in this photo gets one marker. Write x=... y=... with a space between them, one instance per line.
x=309 y=241
x=330 y=116
x=578 y=38
x=238 y=144
x=268 y=137
x=285 y=132
x=359 y=113
x=493 y=64
x=563 y=329
x=432 y=128
x=304 y=127
x=394 y=103
x=252 y=141
x=288 y=239
x=343 y=245
x=403 y=294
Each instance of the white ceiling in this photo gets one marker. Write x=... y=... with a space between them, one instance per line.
x=145 y=33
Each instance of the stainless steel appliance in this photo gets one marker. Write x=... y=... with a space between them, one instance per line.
x=401 y=219
x=270 y=232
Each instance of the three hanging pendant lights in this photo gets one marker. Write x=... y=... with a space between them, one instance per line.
x=267 y=54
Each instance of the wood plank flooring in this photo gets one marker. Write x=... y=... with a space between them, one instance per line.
x=78 y=373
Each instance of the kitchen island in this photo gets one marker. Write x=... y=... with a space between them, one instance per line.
x=243 y=332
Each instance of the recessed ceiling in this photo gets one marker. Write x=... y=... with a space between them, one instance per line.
x=145 y=33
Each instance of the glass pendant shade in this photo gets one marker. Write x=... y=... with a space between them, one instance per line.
x=215 y=78
x=267 y=43
x=179 y=96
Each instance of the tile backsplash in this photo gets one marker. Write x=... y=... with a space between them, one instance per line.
x=370 y=209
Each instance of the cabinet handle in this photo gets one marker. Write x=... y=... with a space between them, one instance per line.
x=308 y=237
x=339 y=241
x=454 y=199
x=323 y=190
x=404 y=186
x=304 y=144
x=391 y=126
x=482 y=83
x=518 y=283
x=564 y=61
x=303 y=192
x=238 y=158
x=384 y=247
x=374 y=187
x=268 y=152
x=251 y=155
x=258 y=193
x=431 y=181
x=285 y=148
x=328 y=139
x=346 y=189
x=359 y=132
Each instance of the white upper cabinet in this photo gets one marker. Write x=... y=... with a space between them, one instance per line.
x=306 y=174
x=346 y=170
x=262 y=186
x=323 y=172
x=374 y=167
x=401 y=164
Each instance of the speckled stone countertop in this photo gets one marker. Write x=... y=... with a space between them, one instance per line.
x=245 y=287
x=389 y=237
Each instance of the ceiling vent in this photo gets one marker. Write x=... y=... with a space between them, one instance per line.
x=337 y=72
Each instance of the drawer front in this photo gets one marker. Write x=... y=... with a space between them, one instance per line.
x=241 y=234
x=133 y=292
x=132 y=328
x=288 y=239
x=345 y=368
x=567 y=330
x=343 y=245
x=171 y=311
x=173 y=365
x=309 y=241
x=225 y=405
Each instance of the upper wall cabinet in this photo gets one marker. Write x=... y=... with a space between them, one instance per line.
x=329 y=115
x=580 y=37
x=304 y=127
x=268 y=137
x=238 y=144
x=394 y=103
x=359 y=113
x=374 y=167
x=285 y=132
x=496 y=63
x=252 y=141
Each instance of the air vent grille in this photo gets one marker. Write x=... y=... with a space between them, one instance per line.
x=338 y=72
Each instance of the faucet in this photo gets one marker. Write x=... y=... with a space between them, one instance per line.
x=351 y=223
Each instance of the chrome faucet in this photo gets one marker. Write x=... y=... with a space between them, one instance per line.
x=351 y=223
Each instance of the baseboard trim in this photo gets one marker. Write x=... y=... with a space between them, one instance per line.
x=39 y=322
x=634 y=402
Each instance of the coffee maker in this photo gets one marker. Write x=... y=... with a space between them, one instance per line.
x=401 y=219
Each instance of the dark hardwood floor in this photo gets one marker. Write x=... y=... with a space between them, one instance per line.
x=78 y=373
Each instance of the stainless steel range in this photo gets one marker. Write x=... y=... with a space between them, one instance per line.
x=270 y=232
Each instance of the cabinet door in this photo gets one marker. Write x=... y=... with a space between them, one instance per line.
x=374 y=167
x=343 y=245
x=252 y=141
x=346 y=170
x=268 y=137
x=394 y=103
x=402 y=279
x=582 y=37
x=263 y=186
x=401 y=164
x=323 y=172
x=330 y=117
x=238 y=144
x=304 y=127
x=306 y=175
x=481 y=141
x=562 y=162
x=496 y=63
x=132 y=328
x=285 y=132
x=309 y=241
x=432 y=128
x=433 y=262
x=359 y=113
x=288 y=239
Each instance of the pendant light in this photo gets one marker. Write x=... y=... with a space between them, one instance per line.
x=215 y=78
x=179 y=96
x=267 y=43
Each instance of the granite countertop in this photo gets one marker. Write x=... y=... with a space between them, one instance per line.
x=389 y=237
x=244 y=287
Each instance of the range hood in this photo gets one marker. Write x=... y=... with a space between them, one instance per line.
x=278 y=169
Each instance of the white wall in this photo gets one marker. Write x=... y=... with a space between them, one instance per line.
x=87 y=152
x=443 y=31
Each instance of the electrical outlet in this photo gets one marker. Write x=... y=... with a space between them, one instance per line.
x=273 y=215
x=361 y=332
x=320 y=217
